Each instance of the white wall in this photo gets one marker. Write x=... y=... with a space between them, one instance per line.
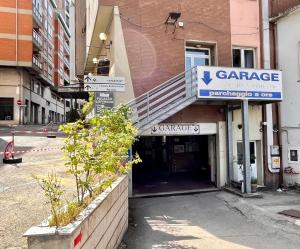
x=10 y=87
x=255 y=119
x=72 y=41
x=16 y=84
x=288 y=40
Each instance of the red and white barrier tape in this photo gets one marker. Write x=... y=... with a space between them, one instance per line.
x=36 y=132
x=34 y=150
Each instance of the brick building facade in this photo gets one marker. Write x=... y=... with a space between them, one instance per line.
x=34 y=60
x=147 y=50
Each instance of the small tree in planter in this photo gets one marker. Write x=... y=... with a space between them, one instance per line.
x=95 y=153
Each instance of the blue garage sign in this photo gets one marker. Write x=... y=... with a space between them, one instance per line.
x=239 y=83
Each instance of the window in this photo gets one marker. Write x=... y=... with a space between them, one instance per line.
x=243 y=57
x=42 y=91
x=199 y=54
x=197 y=57
x=68 y=21
x=293 y=155
x=67 y=6
x=50 y=52
x=26 y=107
x=50 y=11
x=45 y=25
x=50 y=30
x=6 y=108
x=32 y=85
x=50 y=72
x=35 y=87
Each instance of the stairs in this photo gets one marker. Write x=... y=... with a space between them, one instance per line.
x=164 y=100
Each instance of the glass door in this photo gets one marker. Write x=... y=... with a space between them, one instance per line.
x=197 y=57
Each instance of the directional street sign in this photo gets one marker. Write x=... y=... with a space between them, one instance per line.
x=103 y=100
x=104 y=84
x=239 y=83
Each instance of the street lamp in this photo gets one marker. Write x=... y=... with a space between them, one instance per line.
x=103 y=37
x=95 y=60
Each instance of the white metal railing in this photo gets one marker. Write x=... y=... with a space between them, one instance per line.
x=37 y=38
x=36 y=62
x=36 y=13
x=66 y=47
x=67 y=61
x=66 y=76
x=162 y=99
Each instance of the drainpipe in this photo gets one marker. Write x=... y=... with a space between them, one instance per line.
x=267 y=65
x=17 y=31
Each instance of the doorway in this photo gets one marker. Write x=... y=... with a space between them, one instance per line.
x=43 y=115
x=253 y=160
x=173 y=163
x=197 y=57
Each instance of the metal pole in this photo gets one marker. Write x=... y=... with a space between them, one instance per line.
x=19 y=114
x=229 y=145
x=246 y=147
x=267 y=65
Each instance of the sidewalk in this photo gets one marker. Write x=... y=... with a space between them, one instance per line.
x=266 y=209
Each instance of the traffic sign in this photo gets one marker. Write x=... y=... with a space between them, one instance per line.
x=239 y=83
x=104 y=84
x=95 y=87
x=19 y=102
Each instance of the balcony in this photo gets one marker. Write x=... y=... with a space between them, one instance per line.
x=67 y=47
x=66 y=62
x=36 y=63
x=37 y=17
x=37 y=41
x=66 y=77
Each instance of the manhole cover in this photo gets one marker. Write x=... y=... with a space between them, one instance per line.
x=291 y=212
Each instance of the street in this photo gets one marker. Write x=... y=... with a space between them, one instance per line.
x=204 y=221
x=22 y=203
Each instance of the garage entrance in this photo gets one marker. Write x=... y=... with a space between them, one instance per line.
x=174 y=163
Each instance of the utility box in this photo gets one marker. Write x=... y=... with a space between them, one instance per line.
x=275 y=156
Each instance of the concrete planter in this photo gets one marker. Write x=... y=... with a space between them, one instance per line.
x=101 y=225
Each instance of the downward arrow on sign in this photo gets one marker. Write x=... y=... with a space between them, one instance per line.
x=206 y=79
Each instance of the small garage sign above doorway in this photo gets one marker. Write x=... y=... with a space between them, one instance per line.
x=184 y=129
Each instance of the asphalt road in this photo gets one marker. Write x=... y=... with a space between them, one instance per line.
x=22 y=203
x=200 y=221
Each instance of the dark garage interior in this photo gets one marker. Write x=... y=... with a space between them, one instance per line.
x=171 y=164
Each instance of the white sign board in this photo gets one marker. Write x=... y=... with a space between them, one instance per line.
x=239 y=83
x=181 y=129
x=104 y=84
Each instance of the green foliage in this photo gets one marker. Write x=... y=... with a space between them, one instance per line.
x=53 y=192
x=88 y=105
x=72 y=115
x=95 y=154
x=253 y=181
x=98 y=148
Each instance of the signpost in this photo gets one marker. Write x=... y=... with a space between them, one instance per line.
x=239 y=83
x=222 y=83
x=104 y=84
